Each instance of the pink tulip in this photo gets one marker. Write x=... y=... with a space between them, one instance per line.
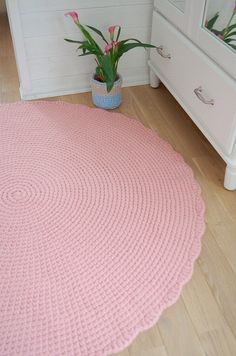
x=74 y=16
x=108 y=47
x=111 y=30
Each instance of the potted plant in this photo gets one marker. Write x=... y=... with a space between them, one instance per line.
x=106 y=82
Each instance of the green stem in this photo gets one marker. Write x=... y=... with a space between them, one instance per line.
x=230 y=20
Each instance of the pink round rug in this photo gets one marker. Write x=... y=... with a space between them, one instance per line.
x=100 y=224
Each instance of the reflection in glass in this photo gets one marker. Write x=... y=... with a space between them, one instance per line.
x=221 y=20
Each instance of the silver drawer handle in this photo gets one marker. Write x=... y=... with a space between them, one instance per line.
x=199 y=93
x=160 y=50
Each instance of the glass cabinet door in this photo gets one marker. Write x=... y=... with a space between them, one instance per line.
x=216 y=33
x=220 y=21
x=176 y=11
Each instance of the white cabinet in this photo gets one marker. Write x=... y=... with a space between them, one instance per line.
x=199 y=79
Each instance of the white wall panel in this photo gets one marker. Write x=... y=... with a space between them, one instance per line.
x=53 y=5
x=55 y=23
x=48 y=46
x=49 y=66
x=55 y=66
x=47 y=87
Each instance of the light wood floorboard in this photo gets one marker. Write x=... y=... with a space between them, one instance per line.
x=203 y=321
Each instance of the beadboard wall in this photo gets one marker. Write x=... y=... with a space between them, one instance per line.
x=48 y=66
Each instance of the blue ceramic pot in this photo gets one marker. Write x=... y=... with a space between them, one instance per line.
x=104 y=100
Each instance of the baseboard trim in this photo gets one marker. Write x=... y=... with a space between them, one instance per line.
x=34 y=96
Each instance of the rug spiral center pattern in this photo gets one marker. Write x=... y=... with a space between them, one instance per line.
x=100 y=224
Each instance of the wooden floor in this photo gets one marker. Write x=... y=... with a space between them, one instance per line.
x=203 y=321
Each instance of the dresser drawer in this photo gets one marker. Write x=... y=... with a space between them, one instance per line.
x=207 y=93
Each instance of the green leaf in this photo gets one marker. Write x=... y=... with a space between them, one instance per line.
x=212 y=21
x=108 y=71
x=231 y=34
x=233 y=46
x=84 y=50
x=89 y=38
x=130 y=39
x=99 y=72
x=109 y=85
x=98 y=32
x=86 y=46
x=118 y=33
x=72 y=41
x=228 y=29
x=125 y=47
x=229 y=40
x=85 y=54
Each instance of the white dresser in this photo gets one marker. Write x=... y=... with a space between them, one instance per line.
x=199 y=69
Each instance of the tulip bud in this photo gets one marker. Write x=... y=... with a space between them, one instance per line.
x=108 y=48
x=74 y=16
x=111 y=30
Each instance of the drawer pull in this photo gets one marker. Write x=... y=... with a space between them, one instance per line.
x=160 y=50
x=199 y=93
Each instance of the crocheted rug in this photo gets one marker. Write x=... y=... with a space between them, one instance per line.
x=100 y=224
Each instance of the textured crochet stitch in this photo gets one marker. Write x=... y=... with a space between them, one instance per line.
x=100 y=224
